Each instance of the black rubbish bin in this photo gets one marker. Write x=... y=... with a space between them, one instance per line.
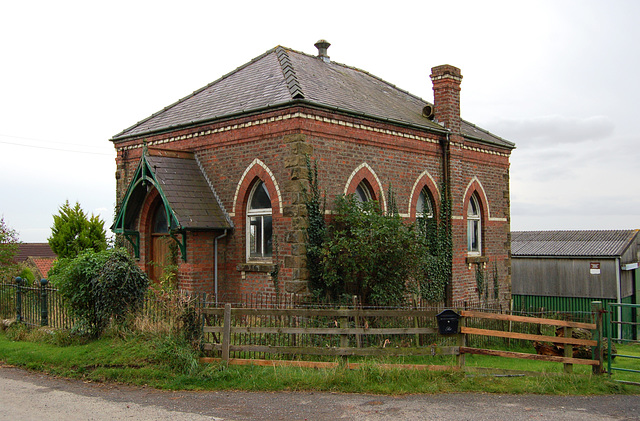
x=448 y=322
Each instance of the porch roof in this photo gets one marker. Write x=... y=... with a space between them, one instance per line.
x=190 y=200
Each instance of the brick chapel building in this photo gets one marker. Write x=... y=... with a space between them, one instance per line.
x=220 y=173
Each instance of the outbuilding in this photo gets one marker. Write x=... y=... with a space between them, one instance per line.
x=565 y=271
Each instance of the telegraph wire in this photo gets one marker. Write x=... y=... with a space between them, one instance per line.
x=50 y=148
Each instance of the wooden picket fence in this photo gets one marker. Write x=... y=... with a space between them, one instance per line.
x=239 y=335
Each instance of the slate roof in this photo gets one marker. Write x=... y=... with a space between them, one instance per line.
x=26 y=250
x=188 y=192
x=282 y=77
x=571 y=243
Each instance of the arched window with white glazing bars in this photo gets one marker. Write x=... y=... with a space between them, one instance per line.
x=424 y=206
x=474 y=226
x=259 y=224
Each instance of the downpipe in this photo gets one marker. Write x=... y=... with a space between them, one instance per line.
x=215 y=264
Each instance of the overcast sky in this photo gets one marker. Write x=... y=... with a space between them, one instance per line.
x=558 y=78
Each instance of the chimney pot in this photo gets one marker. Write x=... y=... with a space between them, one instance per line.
x=322 y=46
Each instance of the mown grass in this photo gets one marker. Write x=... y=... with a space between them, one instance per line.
x=166 y=362
x=631 y=350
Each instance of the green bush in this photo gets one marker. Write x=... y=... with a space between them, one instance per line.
x=26 y=274
x=369 y=254
x=100 y=287
x=375 y=255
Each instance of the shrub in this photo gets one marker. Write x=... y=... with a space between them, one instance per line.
x=379 y=257
x=369 y=254
x=100 y=287
x=26 y=273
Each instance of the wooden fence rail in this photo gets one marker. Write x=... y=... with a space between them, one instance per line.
x=567 y=340
x=338 y=320
x=258 y=324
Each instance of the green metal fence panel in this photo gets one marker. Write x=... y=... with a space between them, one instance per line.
x=578 y=307
x=621 y=316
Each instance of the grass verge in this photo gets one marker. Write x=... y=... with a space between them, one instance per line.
x=165 y=362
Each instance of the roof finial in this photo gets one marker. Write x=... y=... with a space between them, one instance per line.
x=322 y=46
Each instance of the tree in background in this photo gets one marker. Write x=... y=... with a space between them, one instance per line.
x=9 y=244
x=74 y=232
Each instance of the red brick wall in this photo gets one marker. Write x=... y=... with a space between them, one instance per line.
x=404 y=158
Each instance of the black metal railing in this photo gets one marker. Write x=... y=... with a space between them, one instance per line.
x=36 y=304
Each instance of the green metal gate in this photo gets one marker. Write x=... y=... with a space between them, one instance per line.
x=621 y=319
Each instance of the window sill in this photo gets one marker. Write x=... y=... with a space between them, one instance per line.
x=476 y=259
x=255 y=267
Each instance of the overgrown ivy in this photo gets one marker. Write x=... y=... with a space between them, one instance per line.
x=496 y=283
x=317 y=227
x=275 y=273
x=438 y=255
x=168 y=281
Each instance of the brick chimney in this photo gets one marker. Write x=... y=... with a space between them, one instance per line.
x=446 y=96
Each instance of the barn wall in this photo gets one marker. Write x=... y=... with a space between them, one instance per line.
x=568 y=277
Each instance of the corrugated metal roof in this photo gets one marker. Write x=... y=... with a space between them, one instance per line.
x=571 y=243
x=281 y=76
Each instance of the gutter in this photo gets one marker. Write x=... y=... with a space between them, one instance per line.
x=273 y=107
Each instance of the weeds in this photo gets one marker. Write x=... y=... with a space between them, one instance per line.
x=177 y=354
x=170 y=362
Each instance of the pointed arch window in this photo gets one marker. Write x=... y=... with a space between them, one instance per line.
x=259 y=223
x=363 y=193
x=474 y=227
x=160 y=225
x=424 y=207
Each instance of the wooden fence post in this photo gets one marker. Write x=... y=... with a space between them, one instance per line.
x=568 y=350
x=343 y=324
x=596 y=308
x=357 y=324
x=226 y=334
x=462 y=342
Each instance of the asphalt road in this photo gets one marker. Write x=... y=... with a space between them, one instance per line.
x=32 y=396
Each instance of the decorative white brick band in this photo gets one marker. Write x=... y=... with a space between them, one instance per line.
x=307 y=116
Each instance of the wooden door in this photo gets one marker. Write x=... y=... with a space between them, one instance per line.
x=159 y=255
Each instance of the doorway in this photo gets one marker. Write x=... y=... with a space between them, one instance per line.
x=160 y=243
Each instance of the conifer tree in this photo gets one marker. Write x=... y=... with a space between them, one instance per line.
x=74 y=232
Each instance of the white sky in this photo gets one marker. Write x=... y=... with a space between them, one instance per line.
x=558 y=78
